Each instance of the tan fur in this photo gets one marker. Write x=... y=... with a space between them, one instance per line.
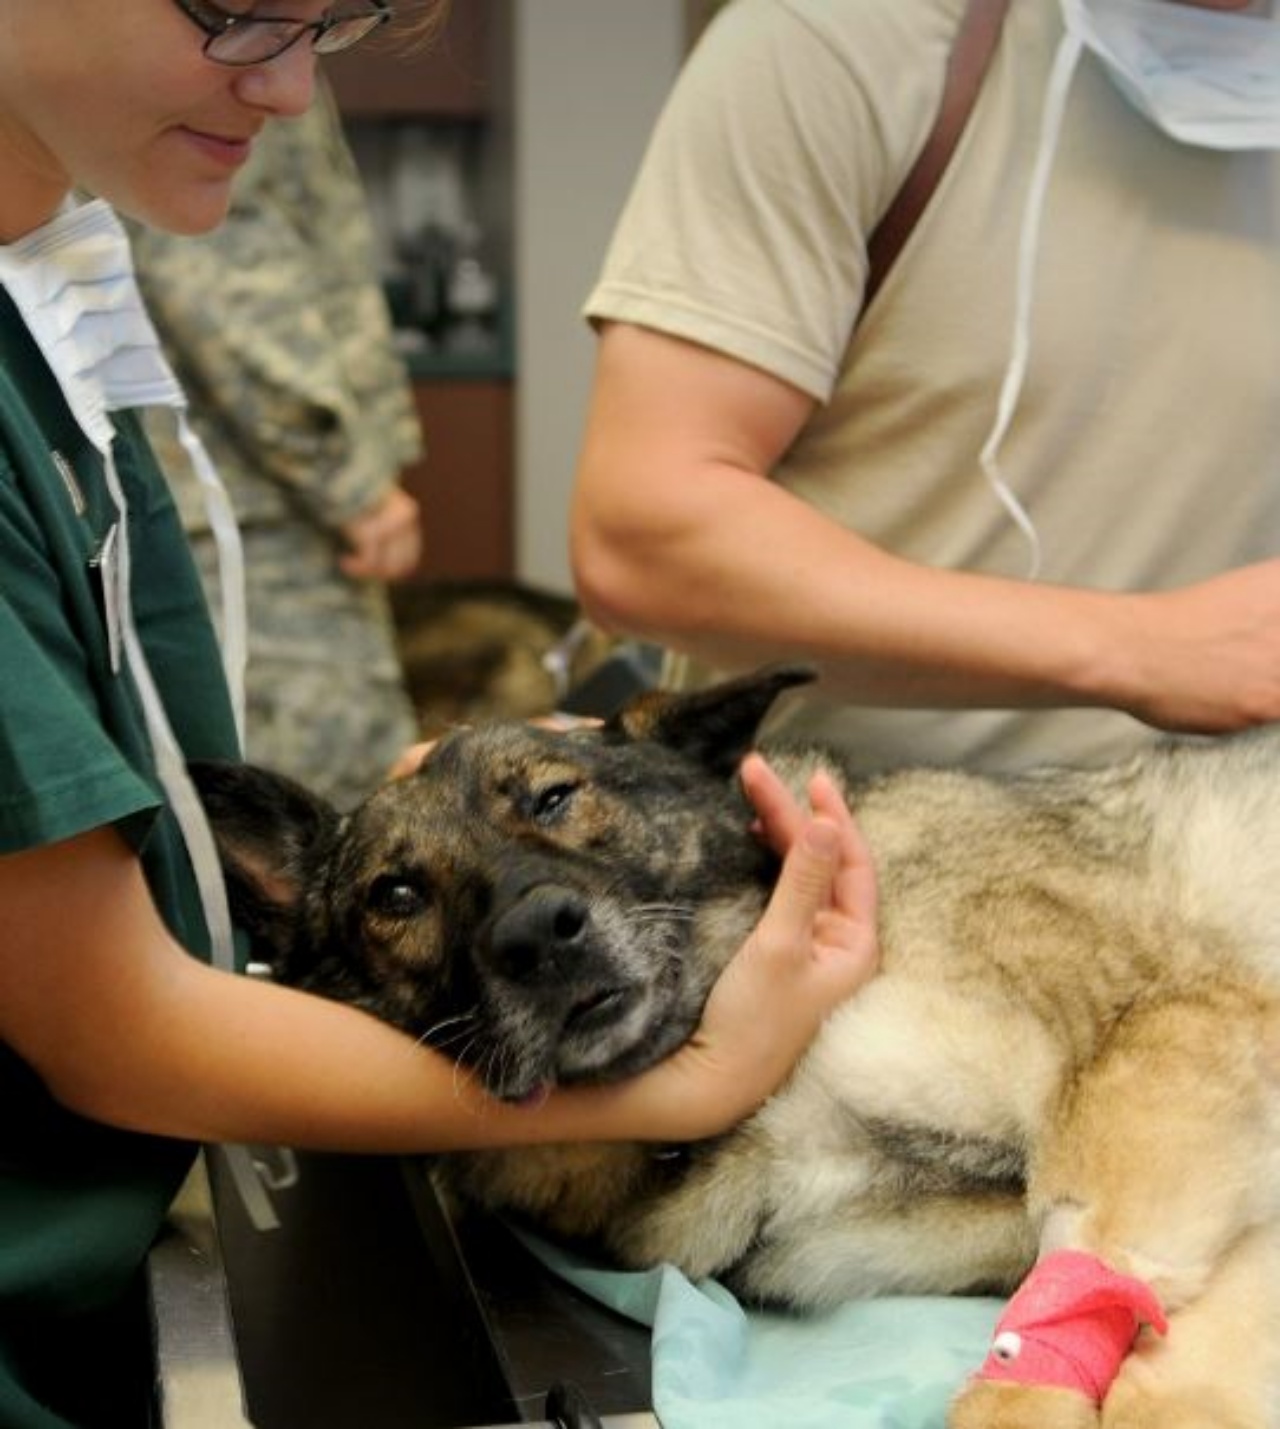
x=1003 y=1406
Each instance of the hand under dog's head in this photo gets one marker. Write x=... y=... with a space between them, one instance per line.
x=545 y=907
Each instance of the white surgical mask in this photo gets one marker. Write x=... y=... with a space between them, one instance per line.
x=73 y=282
x=1205 y=77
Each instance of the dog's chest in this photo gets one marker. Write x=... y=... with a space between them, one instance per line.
x=901 y=1093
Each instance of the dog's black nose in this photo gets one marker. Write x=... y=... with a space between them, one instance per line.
x=538 y=938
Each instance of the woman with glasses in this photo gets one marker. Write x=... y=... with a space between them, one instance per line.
x=307 y=411
x=119 y=1049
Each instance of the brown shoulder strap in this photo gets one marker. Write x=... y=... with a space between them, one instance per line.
x=975 y=43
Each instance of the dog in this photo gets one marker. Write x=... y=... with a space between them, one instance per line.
x=1073 y=1041
x=484 y=650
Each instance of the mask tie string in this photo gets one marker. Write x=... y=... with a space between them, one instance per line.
x=1064 y=68
x=192 y=820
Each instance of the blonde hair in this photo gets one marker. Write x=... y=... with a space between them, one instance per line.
x=418 y=22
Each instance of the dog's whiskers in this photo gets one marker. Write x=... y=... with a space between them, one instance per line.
x=460 y=1067
x=492 y=1070
x=661 y=912
x=463 y=1021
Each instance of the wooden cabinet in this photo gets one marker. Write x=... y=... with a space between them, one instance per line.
x=450 y=75
x=452 y=83
x=464 y=481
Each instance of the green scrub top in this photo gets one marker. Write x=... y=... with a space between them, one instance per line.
x=81 y=1203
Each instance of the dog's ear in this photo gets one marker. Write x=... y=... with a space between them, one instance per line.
x=273 y=836
x=715 y=726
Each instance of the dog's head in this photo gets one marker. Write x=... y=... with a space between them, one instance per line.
x=546 y=907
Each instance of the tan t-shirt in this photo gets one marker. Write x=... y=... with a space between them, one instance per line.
x=1146 y=444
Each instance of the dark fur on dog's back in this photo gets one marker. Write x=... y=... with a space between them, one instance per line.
x=1073 y=1040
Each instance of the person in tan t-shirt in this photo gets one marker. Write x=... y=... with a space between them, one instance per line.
x=774 y=469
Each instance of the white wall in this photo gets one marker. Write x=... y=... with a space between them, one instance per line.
x=588 y=78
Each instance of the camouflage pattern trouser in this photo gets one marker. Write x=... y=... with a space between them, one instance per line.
x=325 y=696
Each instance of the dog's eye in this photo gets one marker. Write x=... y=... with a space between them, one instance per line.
x=395 y=896
x=547 y=805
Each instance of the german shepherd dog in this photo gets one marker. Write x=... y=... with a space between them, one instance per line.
x=1073 y=1041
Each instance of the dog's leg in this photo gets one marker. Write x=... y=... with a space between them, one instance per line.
x=930 y=1245
x=1015 y=1406
x=1160 y=1161
x=1219 y=1364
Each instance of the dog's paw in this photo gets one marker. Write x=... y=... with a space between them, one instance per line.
x=1130 y=1406
x=984 y=1404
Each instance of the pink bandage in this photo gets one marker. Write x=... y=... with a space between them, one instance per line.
x=1070 y=1325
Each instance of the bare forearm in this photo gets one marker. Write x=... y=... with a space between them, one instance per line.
x=212 y=1057
x=738 y=572
x=127 y=1028
x=679 y=536
x=217 y=1058
x=697 y=574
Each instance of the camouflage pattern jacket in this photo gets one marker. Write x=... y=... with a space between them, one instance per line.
x=280 y=334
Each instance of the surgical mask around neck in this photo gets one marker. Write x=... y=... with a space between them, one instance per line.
x=1212 y=77
x=73 y=283
x=1209 y=78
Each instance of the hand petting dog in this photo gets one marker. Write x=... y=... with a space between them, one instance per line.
x=813 y=948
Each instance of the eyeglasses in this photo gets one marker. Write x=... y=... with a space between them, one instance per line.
x=255 y=39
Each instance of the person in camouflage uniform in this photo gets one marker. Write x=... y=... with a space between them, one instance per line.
x=279 y=332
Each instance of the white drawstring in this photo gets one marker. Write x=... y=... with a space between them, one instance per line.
x=1064 y=68
x=74 y=284
x=191 y=817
